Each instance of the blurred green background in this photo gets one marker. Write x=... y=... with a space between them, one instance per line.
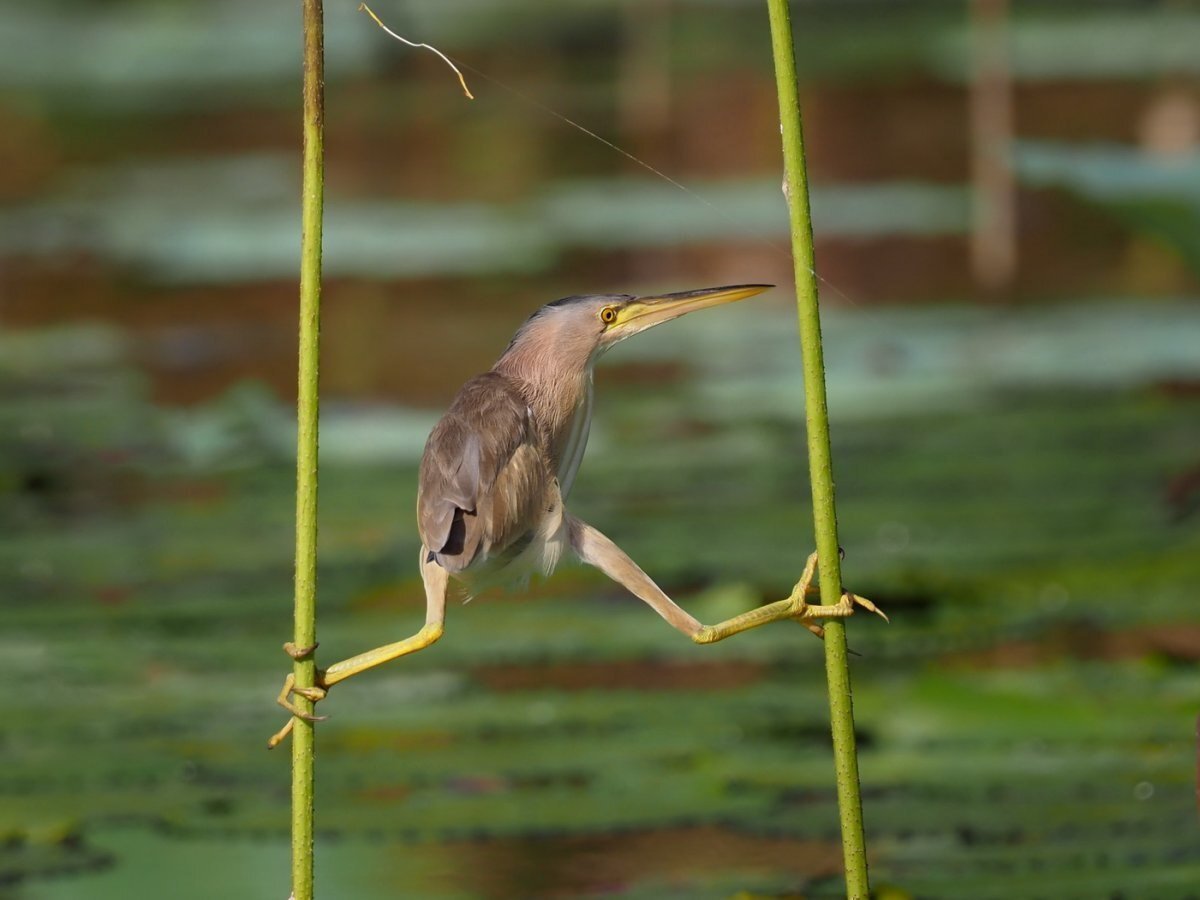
x=1007 y=201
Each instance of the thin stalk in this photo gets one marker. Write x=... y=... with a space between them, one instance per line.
x=820 y=460
x=312 y=202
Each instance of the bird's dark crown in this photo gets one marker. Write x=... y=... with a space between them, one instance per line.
x=584 y=298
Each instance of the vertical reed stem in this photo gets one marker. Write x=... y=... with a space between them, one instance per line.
x=312 y=199
x=819 y=458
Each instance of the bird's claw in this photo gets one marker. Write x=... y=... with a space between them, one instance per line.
x=317 y=692
x=313 y=694
x=844 y=608
x=852 y=600
x=816 y=629
x=804 y=612
x=299 y=653
x=794 y=607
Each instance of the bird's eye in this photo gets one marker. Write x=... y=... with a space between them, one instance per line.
x=608 y=315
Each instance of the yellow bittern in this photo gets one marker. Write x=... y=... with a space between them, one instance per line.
x=499 y=465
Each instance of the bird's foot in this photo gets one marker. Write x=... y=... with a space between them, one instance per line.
x=794 y=607
x=313 y=694
x=847 y=606
x=805 y=612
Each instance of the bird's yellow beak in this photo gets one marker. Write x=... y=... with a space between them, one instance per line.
x=646 y=312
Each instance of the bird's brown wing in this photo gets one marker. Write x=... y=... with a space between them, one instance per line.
x=483 y=481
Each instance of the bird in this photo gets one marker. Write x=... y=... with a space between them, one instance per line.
x=498 y=468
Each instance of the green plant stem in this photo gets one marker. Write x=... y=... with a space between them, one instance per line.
x=307 y=407
x=819 y=457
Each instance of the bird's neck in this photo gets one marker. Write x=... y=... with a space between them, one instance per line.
x=554 y=392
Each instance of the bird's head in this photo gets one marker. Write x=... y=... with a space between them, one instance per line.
x=587 y=325
x=618 y=318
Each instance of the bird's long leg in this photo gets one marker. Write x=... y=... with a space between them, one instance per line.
x=591 y=546
x=436 y=580
x=595 y=549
